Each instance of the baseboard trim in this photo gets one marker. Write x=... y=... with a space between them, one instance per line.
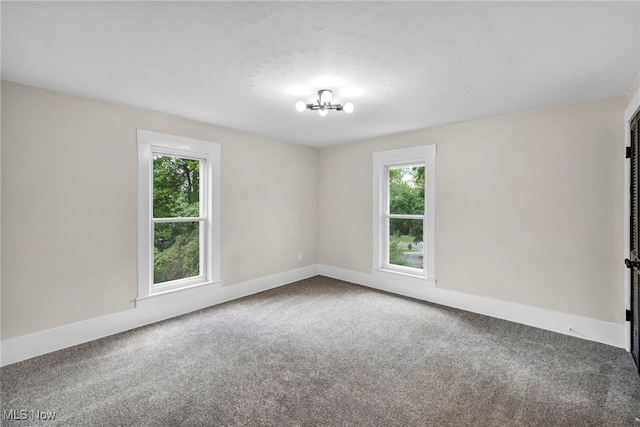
x=27 y=346
x=568 y=324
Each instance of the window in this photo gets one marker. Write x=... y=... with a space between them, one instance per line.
x=178 y=213
x=404 y=196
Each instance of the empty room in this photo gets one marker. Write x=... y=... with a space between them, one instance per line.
x=320 y=213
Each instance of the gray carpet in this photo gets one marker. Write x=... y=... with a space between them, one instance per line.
x=321 y=352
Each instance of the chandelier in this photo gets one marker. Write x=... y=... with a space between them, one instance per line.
x=323 y=105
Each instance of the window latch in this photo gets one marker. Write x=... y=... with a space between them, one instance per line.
x=631 y=264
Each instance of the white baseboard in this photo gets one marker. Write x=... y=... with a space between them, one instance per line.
x=27 y=346
x=582 y=327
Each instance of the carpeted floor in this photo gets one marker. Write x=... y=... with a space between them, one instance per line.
x=321 y=352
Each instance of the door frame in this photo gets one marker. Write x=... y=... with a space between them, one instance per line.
x=632 y=108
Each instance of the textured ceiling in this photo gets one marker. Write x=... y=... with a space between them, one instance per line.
x=403 y=65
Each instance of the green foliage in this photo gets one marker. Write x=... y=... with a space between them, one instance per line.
x=176 y=187
x=176 y=193
x=406 y=196
x=395 y=254
x=182 y=258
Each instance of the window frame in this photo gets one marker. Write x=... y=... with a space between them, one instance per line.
x=150 y=143
x=382 y=162
x=202 y=219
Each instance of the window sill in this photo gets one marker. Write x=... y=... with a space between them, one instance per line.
x=404 y=277
x=172 y=294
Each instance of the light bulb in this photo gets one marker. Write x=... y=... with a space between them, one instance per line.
x=348 y=107
x=325 y=96
x=301 y=106
x=323 y=112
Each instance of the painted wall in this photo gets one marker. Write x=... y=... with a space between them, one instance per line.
x=69 y=213
x=635 y=87
x=529 y=206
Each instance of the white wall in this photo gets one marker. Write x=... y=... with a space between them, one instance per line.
x=69 y=205
x=635 y=87
x=529 y=207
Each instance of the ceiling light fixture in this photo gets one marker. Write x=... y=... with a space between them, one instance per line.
x=325 y=96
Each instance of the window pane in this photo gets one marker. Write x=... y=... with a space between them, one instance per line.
x=406 y=190
x=405 y=242
x=176 y=187
x=176 y=252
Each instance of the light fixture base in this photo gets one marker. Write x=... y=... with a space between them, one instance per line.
x=323 y=104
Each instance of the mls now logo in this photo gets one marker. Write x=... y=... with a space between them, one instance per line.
x=14 y=414
x=23 y=414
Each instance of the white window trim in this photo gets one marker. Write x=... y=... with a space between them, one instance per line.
x=148 y=142
x=381 y=160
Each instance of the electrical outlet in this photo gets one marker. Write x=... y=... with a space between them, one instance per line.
x=300 y=256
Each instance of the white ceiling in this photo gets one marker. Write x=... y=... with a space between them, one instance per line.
x=409 y=65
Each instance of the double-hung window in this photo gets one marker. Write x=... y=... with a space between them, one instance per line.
x=404 y=213
x=178 y=213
